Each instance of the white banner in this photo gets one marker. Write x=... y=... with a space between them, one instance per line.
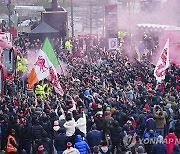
x=113 y=44
x=162 y=64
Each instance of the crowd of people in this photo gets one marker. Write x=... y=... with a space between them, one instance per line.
x=110 y=105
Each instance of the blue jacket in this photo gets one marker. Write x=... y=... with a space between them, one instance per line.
x=81 y=145
x=149 y=122
x=94 y=138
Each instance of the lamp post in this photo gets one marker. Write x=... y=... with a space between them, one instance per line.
x=72 y=19
x=9 y=12
x=90 y=17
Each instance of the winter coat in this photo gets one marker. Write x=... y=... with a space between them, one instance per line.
x=140 y=118
x=81 y=124
x=94 y=138
x=47 y=143
x=171 y=100
x=71 y=150
x=81 y=145
x=159 y=149
x=60 y=141
x=170 y=140
x=70 y=127
x=26 y=132
x=160 y=119
x=149 y=122
x=177 y=128
x=115 y=131
x=37 y=131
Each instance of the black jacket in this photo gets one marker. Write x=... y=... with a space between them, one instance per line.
x=37 y=131
x=60 y=142
x=26 y=132
x=47 y=143
x=115 y=132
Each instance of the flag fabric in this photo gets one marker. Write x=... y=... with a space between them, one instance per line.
x=42 y=69
x=162 y=64
x=48 y=49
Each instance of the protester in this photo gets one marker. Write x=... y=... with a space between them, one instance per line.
x=70 y=149
x=159 y=147
x=170 y=140
x=107 y=96
x=81 y=145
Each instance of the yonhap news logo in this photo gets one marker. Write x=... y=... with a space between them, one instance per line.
x=130 y=140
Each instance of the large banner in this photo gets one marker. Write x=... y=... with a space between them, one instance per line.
x=113 y=43
x=111 y=21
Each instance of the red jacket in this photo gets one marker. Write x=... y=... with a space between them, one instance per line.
x=170 y=140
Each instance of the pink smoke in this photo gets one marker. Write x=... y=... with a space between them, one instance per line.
x=174 y=52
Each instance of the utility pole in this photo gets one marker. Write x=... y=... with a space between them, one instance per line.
x=9 y=12
x=90 y=17
x=54 y=5
x=72 y=19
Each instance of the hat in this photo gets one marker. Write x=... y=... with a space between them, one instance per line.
x=69 y=144
x=160 y=139
x=138 y=78
x=62 y=131
x=113 y=110
x=56 y=126
x=94 y=127
x=99 y=106
x=70 y=105
x=108 y=109
x=93 y=104
x=146 y=106
x=40 y=148
x=140 y=149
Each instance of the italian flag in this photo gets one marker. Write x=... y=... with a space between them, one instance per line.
x=45 y=67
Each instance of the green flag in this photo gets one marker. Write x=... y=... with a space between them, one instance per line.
x=48 y=49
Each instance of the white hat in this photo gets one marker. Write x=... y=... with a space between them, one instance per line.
x=56 y=126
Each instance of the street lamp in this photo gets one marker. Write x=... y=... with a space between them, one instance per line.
x=9 y=12
x=90 y=17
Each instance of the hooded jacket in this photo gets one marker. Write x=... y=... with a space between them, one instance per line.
x=149 y=122
x=81 y=145
x=94 y=138
x=170 y=140
x=71 y=150
x=61 y=140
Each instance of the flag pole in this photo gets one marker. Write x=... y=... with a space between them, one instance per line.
x=60 y=64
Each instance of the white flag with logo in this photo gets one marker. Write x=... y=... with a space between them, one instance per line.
x=162 y=64
x=113 y=44
x=42 y=69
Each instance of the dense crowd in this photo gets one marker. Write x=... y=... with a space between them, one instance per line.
x=110 y=105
